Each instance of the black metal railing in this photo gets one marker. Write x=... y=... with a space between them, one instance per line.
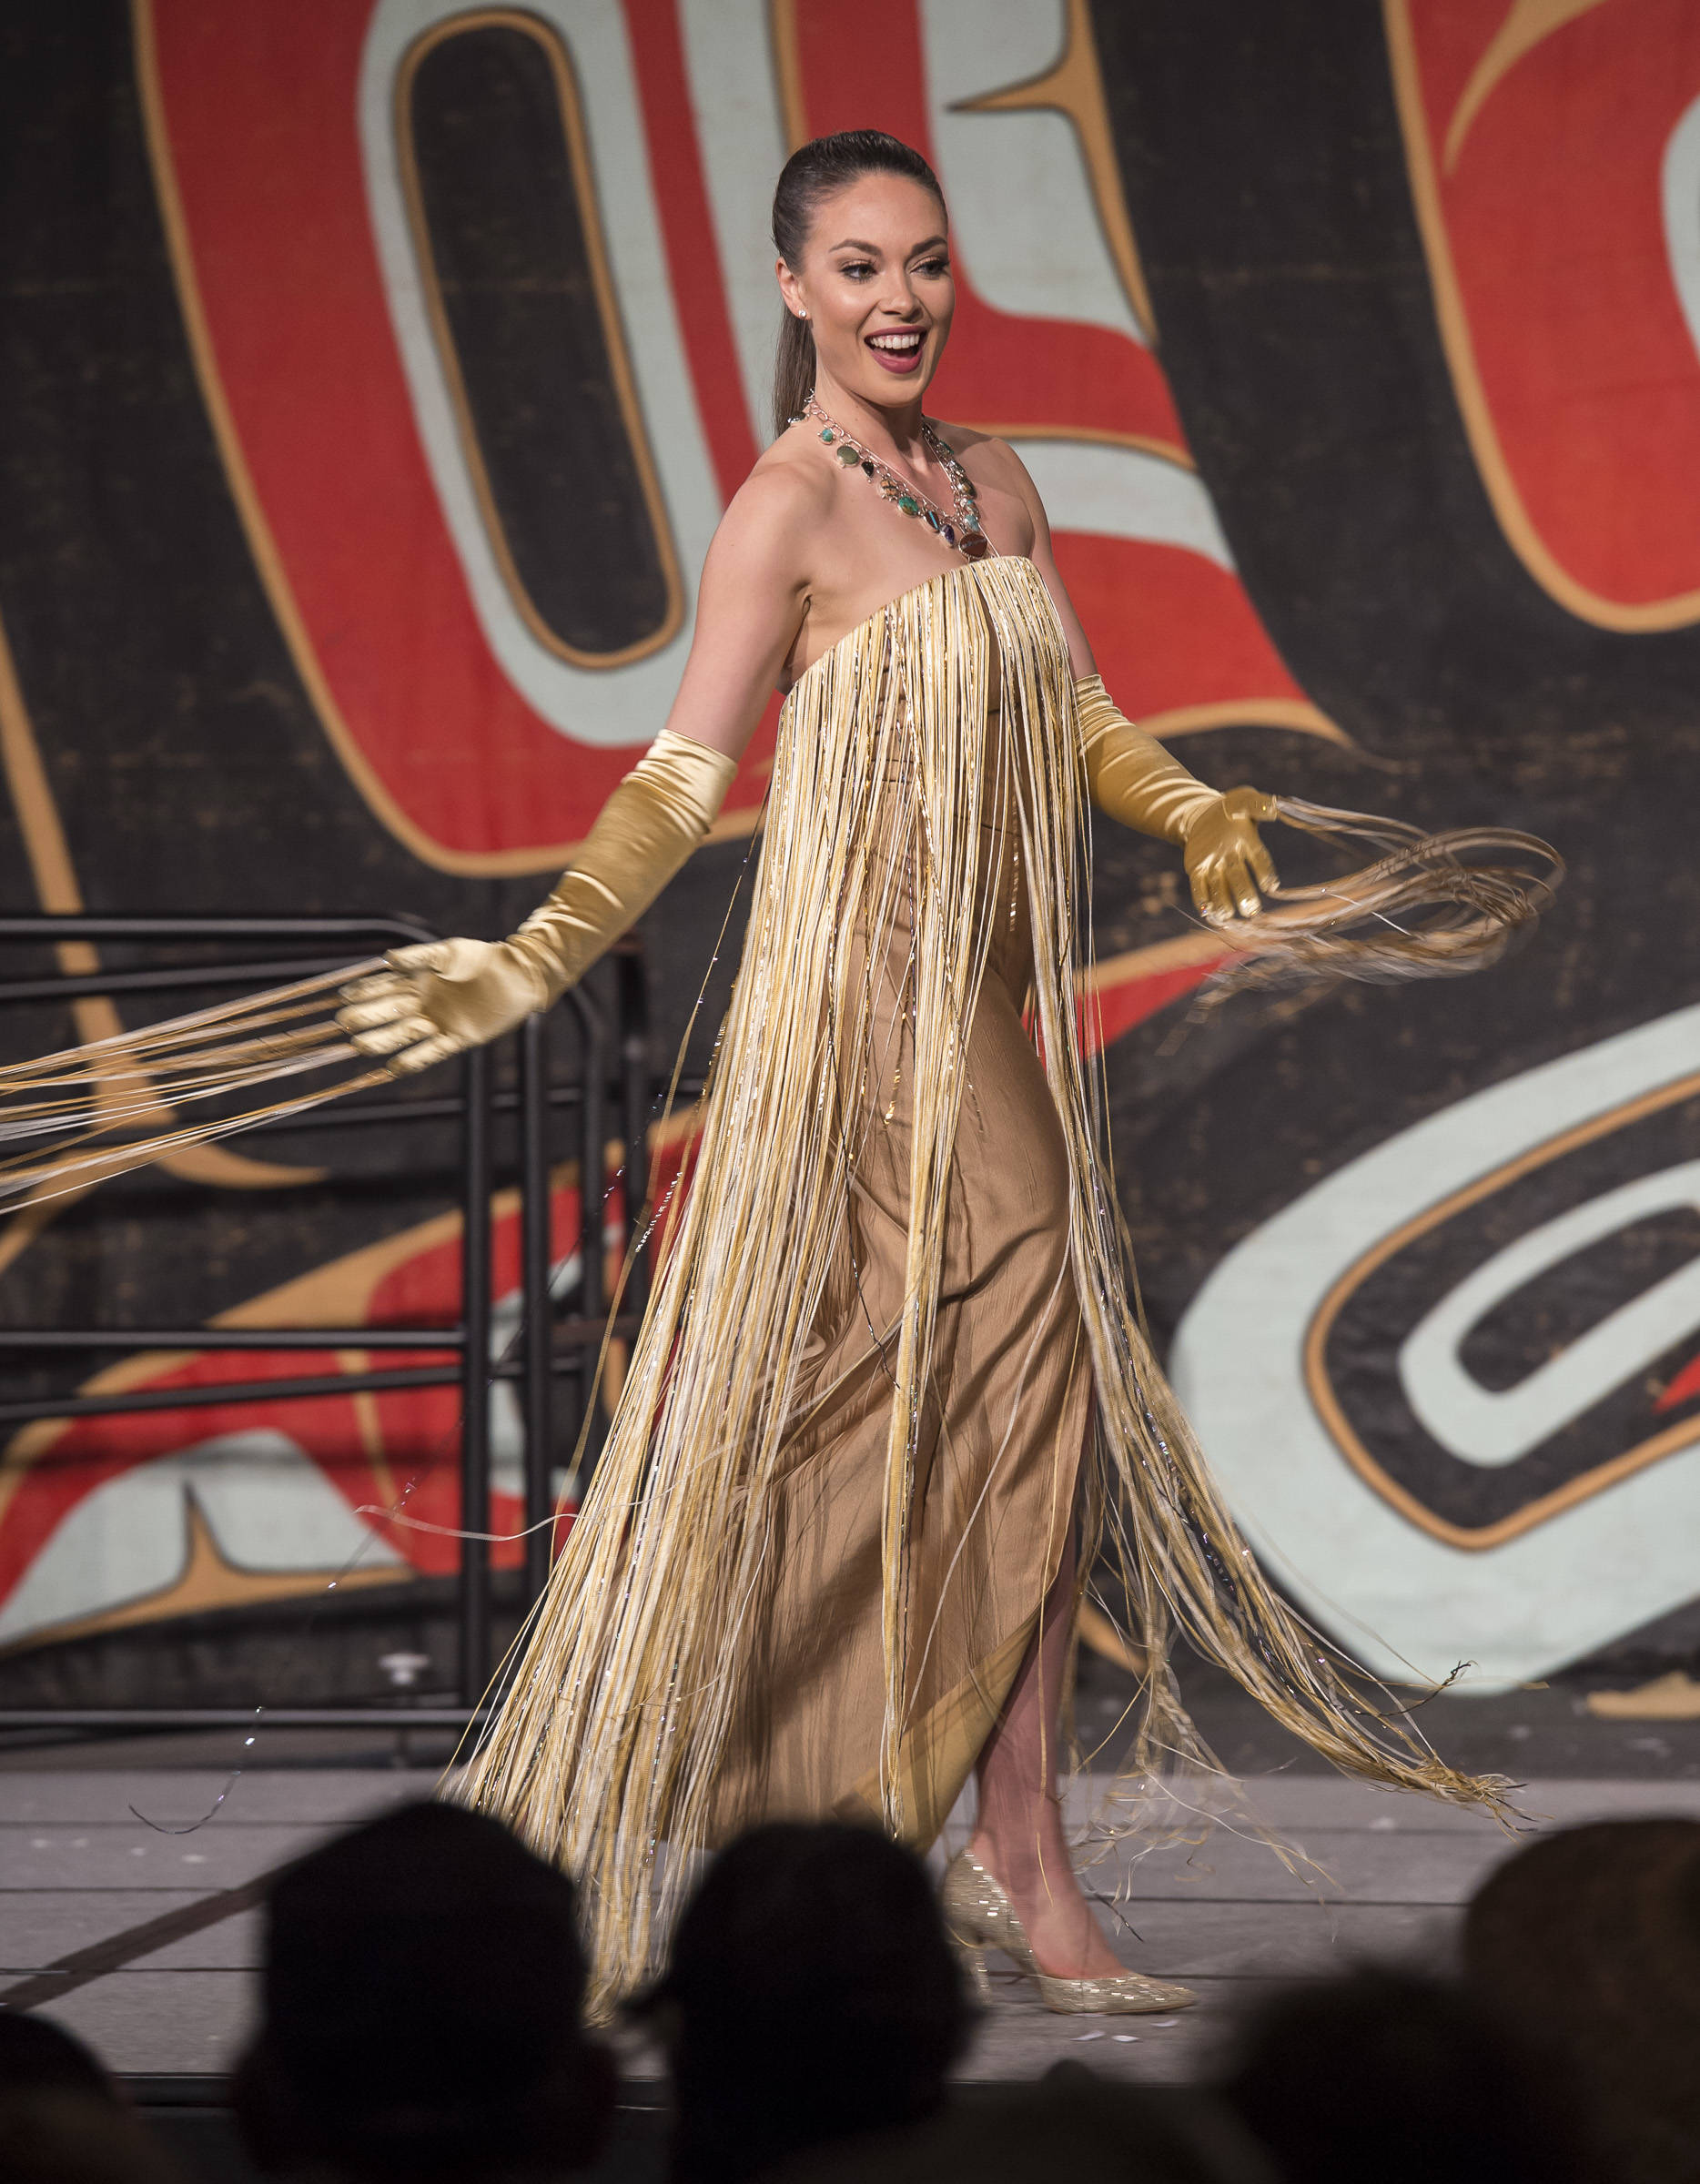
x=552 y=1348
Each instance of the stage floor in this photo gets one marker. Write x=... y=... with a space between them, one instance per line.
x=145 y=1939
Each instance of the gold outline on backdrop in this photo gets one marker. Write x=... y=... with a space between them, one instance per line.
x=94 y=1016
x=1320 y=1388
x=1526 y=23
x=1183 y=951
x=570 y=114
x=1297 y=713
x=338 y=1294
x=782 y=38
x=268 y=562
x=1097 y=436
x=208 y=1579
x=1073 y=86
x=1453 y=321
x=335 y=1295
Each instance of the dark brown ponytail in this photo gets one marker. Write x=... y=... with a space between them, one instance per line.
x=810 y=175
x=793 y=368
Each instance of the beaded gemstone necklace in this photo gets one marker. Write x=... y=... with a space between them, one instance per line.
x=961 y=529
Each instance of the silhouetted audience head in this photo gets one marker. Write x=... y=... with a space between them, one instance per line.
x=421 y=2010
x=1591 y=1938
x=813 y=1994
x=37 y=2056
x=1404 y=2080
x=62 y=2120
x=1071 y=2123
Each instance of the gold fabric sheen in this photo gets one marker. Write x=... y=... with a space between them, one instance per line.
x=1135 y=780
x=439 y=997
x=643 y=834
x=891 y=1354
x=1129 y=772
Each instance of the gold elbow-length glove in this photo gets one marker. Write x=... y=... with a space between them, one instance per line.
x=1135 y=780
x=443 y=995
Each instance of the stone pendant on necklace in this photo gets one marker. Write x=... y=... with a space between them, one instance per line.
x=961 y=527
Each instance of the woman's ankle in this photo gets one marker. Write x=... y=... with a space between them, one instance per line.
x=1022 y=1868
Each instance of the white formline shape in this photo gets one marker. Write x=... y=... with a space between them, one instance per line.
x=269 y=1508
x=1679 y=191
x=1408 y=1603
x=741 y=131
x=616 y=706
x=1023 y=218
x=1117 y=492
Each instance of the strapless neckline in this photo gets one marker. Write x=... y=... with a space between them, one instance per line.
x=945 y=576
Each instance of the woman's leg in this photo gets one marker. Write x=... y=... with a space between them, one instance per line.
x=1018 y=1835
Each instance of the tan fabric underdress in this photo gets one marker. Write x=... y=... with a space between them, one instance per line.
x=1002 y=1431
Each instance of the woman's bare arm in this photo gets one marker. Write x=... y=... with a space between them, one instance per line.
x=752 y=598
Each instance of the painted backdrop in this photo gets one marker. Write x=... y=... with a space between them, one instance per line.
x=372 y=376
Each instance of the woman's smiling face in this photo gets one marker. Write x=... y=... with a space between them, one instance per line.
x=876 y=282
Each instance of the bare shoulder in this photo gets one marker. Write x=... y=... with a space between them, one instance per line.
x=1002 y=481
x=773 y=516
x=790 y=475
x=987 y=460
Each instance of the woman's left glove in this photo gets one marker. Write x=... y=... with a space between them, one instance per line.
x=443 y=995
x=1225 y=857
x=1135 y=780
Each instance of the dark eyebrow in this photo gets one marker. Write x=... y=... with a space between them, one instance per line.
x=850 y=243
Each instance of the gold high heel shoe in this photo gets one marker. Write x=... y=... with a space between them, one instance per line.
x=979 y=1915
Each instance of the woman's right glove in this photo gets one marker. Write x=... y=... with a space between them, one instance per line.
x=443 y=995
x=1135 y=780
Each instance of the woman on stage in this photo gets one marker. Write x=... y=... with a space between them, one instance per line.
x=890 y=1396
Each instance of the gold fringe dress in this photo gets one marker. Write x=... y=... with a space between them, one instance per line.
x=891 y=1357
